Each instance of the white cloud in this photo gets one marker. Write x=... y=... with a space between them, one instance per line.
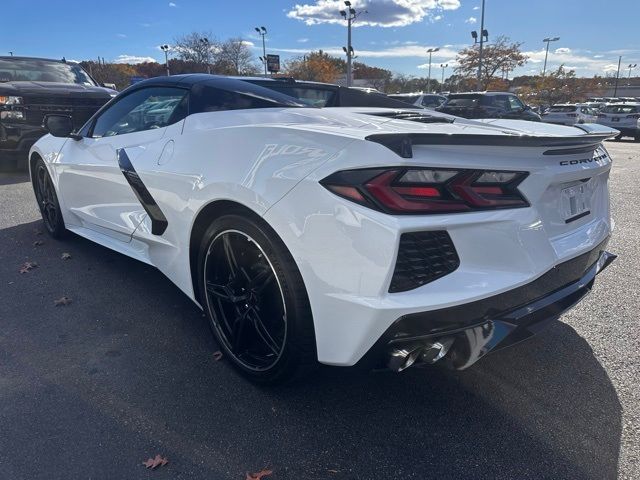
x=303 y=40
x=121 y=35
x=380 y=13
x=171 y=4
x=476 y=8
x=471 y=20
x=437 y=17
x=563 y=50
x=132 y=59
x=611 y=67
x=248 y=43
x=575 y=60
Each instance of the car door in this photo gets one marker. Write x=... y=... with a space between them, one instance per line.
x=96 y=174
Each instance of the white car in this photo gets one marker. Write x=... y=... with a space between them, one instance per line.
x=624 y=117
x=340 y=235
x=570 y=114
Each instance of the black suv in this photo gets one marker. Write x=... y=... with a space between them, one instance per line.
x=488 y=105
x=31 y=88
x=326 y=94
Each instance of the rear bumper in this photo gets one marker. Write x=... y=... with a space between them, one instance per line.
x=493 y=323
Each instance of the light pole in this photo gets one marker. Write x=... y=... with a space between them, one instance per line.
x=430 y=52
x=205 y=42
x=263 y=33
x=615 y=90
x=482 y=36
x=165 y=49
x=631 y=67
x=443 y=66
x=349 y=15
x=548 y=40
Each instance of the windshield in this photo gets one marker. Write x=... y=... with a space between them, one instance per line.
x=406 y=98
x=32 y=70
x=620 y=109
x=564 y=109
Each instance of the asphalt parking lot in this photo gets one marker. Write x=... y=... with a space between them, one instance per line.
x=126 y=371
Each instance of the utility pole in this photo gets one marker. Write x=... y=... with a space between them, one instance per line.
x=205 y=42
x=615 y=90
x=443 y=66
x=548 y=41
x=349 y=15
x=480 y=51
x=263 y=32
x=165 y=49
x=631 y=67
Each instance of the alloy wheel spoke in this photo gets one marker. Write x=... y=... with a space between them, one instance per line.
x=262 y=280
x=220 y=291
x=263 y=333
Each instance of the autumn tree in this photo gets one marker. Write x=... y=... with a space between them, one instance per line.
x=316 y=66
x=560 y=86
x=235 y=58
x=502 y=55
x=377 y=77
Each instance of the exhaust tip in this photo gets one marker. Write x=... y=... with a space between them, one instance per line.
x=421 y=353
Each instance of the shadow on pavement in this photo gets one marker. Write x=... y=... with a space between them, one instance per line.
x=126 y=371
x=13 y=177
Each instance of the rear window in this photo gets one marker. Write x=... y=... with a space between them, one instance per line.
x=620 y=109
x=406 y=98
x=312 y=96
x=564 y=109
x=462 y=101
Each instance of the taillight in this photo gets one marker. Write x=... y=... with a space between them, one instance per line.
x=404 y=190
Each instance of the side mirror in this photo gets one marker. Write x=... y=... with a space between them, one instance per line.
x=59 y=125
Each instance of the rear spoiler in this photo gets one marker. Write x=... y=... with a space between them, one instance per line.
x=402 y=143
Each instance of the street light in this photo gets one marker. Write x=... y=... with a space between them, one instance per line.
x=631 y=67
x=615 y=90
x=548 y=41
x=165 y=49
x=484 y=37
x=443 y=66
x=430 y=52
x=263 y=32
x=349 y=14
x=205 y=42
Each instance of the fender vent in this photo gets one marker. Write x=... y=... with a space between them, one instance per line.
x=422 y=258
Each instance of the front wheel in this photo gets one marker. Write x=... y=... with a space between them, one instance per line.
x=47 y=200
x=254 y=297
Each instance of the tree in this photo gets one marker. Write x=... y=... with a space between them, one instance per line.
x=199 y=48
x=496 y=57
x=316 y=66
x=235 y=58
x=560 y=86
x=377 y=77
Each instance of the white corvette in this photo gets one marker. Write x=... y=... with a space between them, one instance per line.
x=341 y=236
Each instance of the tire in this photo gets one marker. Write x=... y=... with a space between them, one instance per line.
x=618 y=138
x=254 y=297
x=47 y=200
x=637 y=138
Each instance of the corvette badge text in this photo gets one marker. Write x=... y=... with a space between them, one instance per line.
x=597 y=159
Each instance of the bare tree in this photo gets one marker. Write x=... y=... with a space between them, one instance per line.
x=235 y=58
x=200 y=48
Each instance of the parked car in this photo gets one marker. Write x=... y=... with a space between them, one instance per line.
x=624 y=117
x=335 y=235
x=426 y=100
x=570 y=114
x=488 y=105
x=319 y=94
x=31 y=88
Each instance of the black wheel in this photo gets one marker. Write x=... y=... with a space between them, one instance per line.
x=47 y=200
x=254 y=297
x=618 y=138
x=637 y=138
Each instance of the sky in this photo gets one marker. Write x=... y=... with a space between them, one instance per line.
x=392 y=34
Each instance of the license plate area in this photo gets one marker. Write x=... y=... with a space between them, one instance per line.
x=615 y=119
x=576 y=201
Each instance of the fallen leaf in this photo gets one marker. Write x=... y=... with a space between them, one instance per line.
x=37 y=243
x=38 y=232
x=66 y=256
x=28 y=266
x=62 y=301
x=154 y=463
x=333 y=471
x=258 y=475
x=217 y=356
